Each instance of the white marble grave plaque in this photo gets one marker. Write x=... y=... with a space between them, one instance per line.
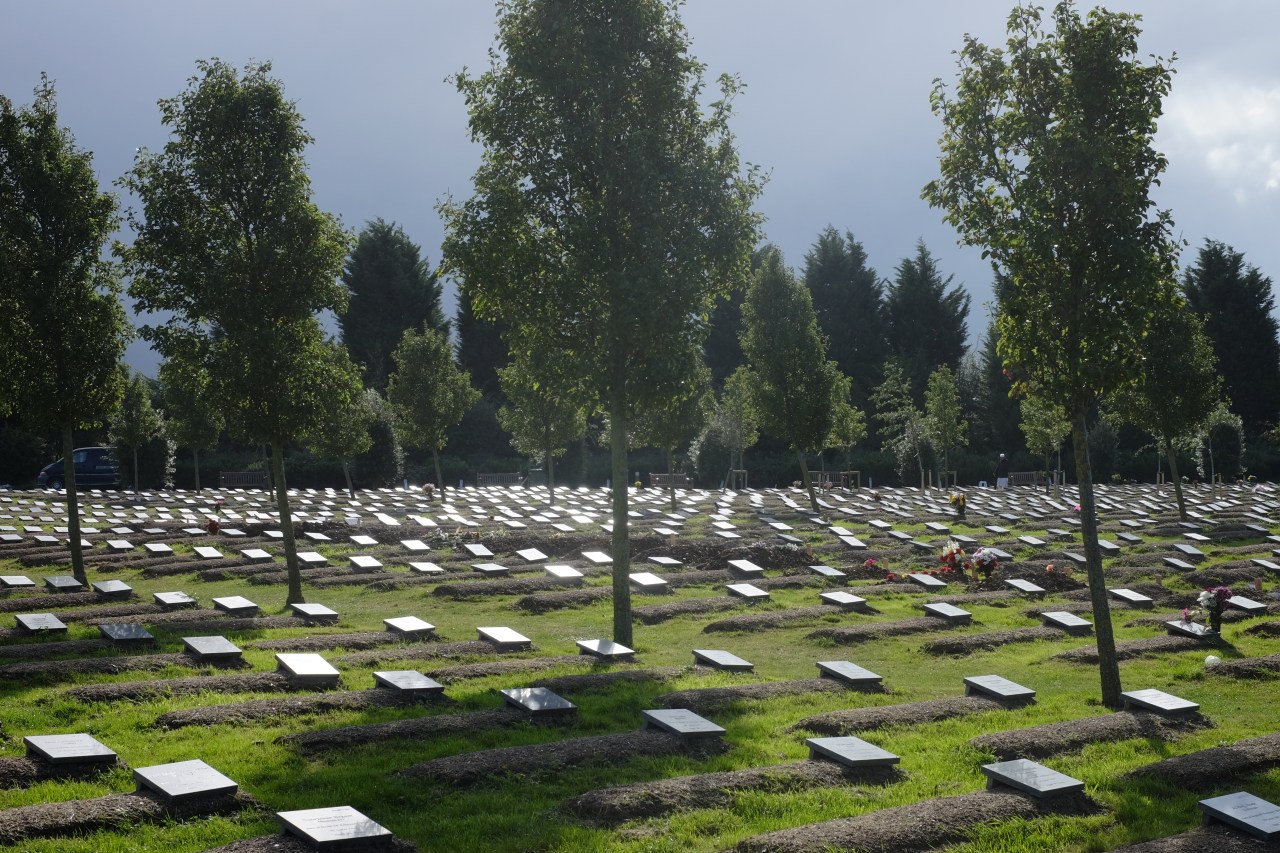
x=665 y=561
x=173 y=600
x=119 y=545
x=564 y=574
x=840 y=598
x=504 y=638
x=606 y=649
x=255 y=555
x=333 y=828
x=1248 y=605
x=236 y=605
x=112 y=589
x=490 y=569
x=600 y=558
x=426 y=568
x=826 y=571
x=722 y=660
x=949 y=612
x=318 y=613
x=408 y=626
x=16 y=581
x=537 y=701
x=850 y=751
x=997 y=687
x=364 y=541
x=183 y=780
x=681 y=722
x=746 y=569
x=310 y=669
x=204 y=552
x=365 y=563
x=211 y=648
x=407 y=681
x=475 y=549
x=1030 y=778
x=849 y=673
x=1158 y=701
x=747 y=591
x=647 y=582
x=1245 y=812
x=68 y=749
x=531 y=555
x=1128 y=596
x=1069 y=622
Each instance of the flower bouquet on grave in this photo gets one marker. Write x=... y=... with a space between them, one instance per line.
x=952 y=557
x=958 y=501
x=984 y=562
x=1212 y=601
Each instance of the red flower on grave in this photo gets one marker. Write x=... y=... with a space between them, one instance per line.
x=891 y=576
x=870 y=563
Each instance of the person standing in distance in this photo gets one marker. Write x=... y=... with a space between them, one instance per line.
x=1002 y=472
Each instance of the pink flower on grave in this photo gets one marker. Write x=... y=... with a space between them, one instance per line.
x=870 y=563
x=891 y=577
x=1049 y=568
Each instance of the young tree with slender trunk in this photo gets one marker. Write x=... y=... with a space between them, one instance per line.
x=1047 y=164
x=342 y=431
x=610 y=210
x=136 y=421
x=1045 y=426
x=735 y=418
x=191 y=415
x=668 y=425
x=547 y=410
x=428 y=393
x=230 y=244
x=62 y=328
x=943 y=418
x=902 y=424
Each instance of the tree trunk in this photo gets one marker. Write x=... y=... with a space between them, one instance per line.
x=671 y=482
x=346 y=475
x=435 y=456
x=270 y=467
x=621 y=543
x=808 y=483
x=1177 y=481
x=135 y=470
x=286 y=524
x=73 y=503
x=1108 y=666
x=195 y=463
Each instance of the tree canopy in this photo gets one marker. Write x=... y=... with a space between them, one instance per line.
x=926 y=320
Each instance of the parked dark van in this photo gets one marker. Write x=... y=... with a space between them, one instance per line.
x=96 y=468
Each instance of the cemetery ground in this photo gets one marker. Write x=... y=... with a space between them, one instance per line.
x=453 y=770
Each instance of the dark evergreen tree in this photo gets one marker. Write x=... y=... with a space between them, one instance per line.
x=997 y=413
x=723 y=349
x=391 y=290
x=482 y=349
x=849 y=300
x=1236 y=301
x=926 y=321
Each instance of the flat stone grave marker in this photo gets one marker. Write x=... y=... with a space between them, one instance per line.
x=927 y=581
x=1129 y=538
x=475 y=549
x=204 y=552
x=409 y=626
x=63 y=583
x=158 y=549
x=786 y=537
x=316 y=536
x=997 y=687
x=119 y=545
x=1069 y=622
x=997 y=529
x=849 y=673
x=600 y=558
x=1188 y=550
x=490 y=569
x=16 y=581
x=45 y=539
x=236 y=605
x=312 y=558
x=233 y=532
x=333 y=828
x=879 y=524
x=364 y=541
x=125 y=633
x=605 y=649
x=1109 y=549
x=1248 y=605
x=365 y=563
x=1030 y=777
x=1196 y=537
x=36 y=622
x=426 y=568
x=850 y=751
x=68 y=749
x=211 y=648
x=680 y=722
x=531 y=555
x=949 y=612
x=722 y=660
x=1266 y=564
x=1245 y=812
x=562 y=527
x=1128 y=596
x=826 y=571
x=183 y=780
x=255 y=555
x=173 y=600
x=748 y=591
x=745 y=569
x=900 y=535
x=1075 y=557
x=1189 y=629
x=407 y=681
x=665 y=561
x=10 y=538
x=1158 y=701
x=415 y=546
x=538 y=701
x=112 y=589
x=566 y=574
x=1033 y=541
x=648 y=582
x=840 y=598
x=318 y=613
x=504 y=638
x=309 y=669
x=1025 y=586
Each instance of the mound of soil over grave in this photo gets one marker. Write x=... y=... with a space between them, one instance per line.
x=1222 y=576
x=22 y=772
x=53 y=649
x=1213 y=768
x=772 y=619
x=653 y=614
x=61 y=670
x=1264 y=629
x=289 y=706
x=839 y=723
x=253 y=682
x=110 y=812
x=502 y=586
x=1127 y=649
x=110 y=611
x=417 y=728
x=925 y=825
x=469 y=768
x=707 y=699
x=612 y=806
x=1051 y=582
x=1001 y=598
x=419 y=651
x=1263 y=667
x=877 y=630
x=1216 y=838
x=970 y=643
x=322 y=642
x=450 y=674
x=1074 y=735
x=291 y=844
x=547 y=602
x=588 y=682
x=42 y=601
x=216 y=621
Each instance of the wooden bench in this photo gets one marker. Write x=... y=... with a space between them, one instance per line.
x=680 y=481
x=239 y=479
x=516 y=479
x=1027 y=478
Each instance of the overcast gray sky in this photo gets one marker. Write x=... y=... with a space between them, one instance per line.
x=836 y=105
